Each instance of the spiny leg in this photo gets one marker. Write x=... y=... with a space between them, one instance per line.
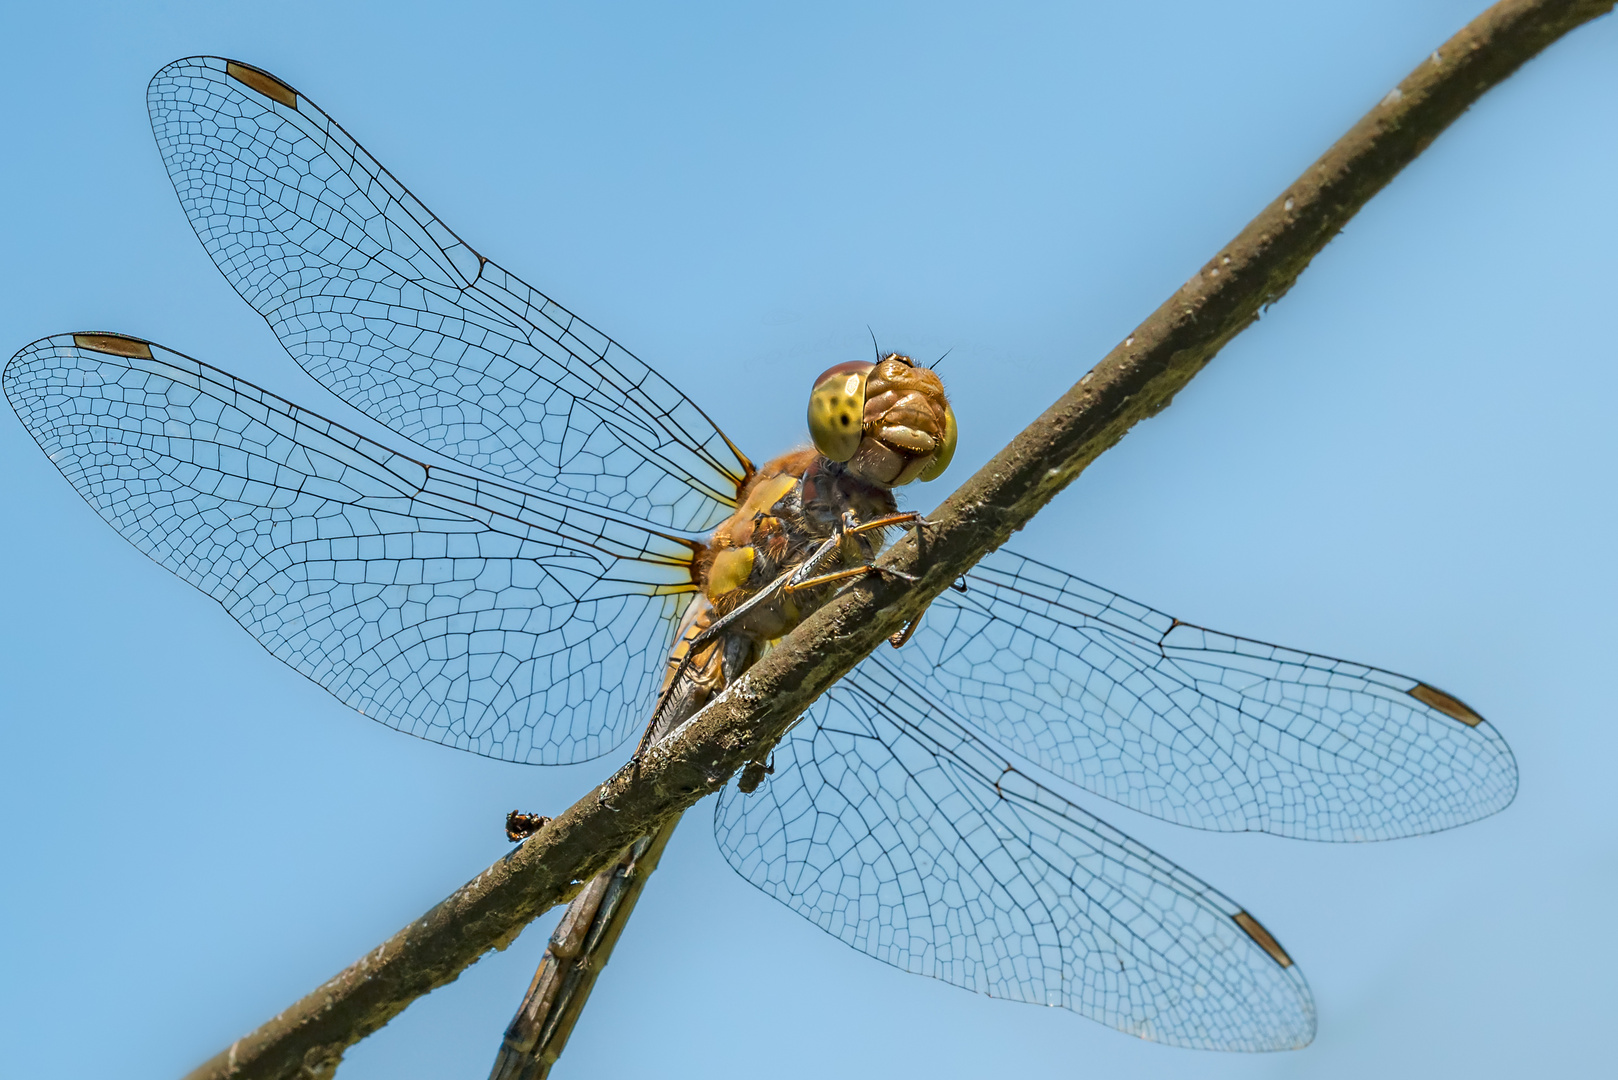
x=850 y=528
x=803 y=575
x=903 y=517
x=800 y=577
x=684 y=685
x=844 y=575
x=769 y=592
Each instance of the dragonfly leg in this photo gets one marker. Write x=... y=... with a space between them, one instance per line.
x=800 y=577
x=680 y=682
x=906 y=517
x=694 y=684
x=843 y=575
x=820 y=555
x=804 y=577
x=805 y=573
x=804 y=582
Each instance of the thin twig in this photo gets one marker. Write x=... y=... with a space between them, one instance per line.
x=1134 y=381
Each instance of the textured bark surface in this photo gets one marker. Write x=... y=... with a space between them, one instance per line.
x=1135 y=380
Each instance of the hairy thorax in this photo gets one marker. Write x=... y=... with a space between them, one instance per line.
x=794 y=503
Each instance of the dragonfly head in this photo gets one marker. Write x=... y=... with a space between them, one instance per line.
x=889 y=422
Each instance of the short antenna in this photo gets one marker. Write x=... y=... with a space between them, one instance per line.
x=874 y=346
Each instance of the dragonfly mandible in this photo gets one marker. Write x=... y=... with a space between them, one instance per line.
x=524 y=606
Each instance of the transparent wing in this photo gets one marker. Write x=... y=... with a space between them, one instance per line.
x=1197 y=727
x=897 y=830
x=450 y=608
x=384 y=305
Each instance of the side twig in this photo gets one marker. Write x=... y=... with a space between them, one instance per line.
x=1135 y=380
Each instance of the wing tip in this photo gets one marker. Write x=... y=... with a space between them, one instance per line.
x=263 y=82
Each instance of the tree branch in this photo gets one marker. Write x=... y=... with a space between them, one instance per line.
x=1135 y=380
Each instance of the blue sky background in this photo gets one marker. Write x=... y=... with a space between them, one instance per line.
x=1410 y=461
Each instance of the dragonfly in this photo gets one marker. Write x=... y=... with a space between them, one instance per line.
x=527 y=605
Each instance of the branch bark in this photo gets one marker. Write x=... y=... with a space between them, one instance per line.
x=1134 y=381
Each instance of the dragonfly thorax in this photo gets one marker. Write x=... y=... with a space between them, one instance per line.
x=792 y=505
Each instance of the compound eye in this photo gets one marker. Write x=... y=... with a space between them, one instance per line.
x=837 y=409
x=935 y=468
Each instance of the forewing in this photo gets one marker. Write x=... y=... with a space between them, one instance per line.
x=1197 y=727
x=898 y=831
x=447 y=607
x=383 y=304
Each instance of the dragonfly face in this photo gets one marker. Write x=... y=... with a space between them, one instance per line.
x=924 y=811
x=890 y=422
